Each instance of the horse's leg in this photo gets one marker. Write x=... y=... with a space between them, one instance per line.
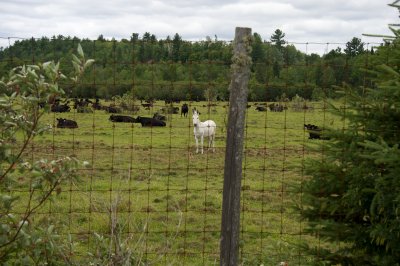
x=197 y=144
x=211 y=142
x=201 y=143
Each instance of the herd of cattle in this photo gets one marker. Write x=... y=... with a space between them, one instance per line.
x=273 y=107
x=158 y=120
x=144 y=121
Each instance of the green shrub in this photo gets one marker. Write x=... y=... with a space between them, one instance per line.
x=25 y=238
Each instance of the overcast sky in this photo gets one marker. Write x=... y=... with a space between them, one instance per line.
x=303 y=21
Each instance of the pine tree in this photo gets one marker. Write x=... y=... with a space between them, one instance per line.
x=354 y=47
x=277 y=39
x=257 y=52
x=353 y=196
x=176 y=46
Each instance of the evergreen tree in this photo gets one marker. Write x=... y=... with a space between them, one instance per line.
x=146 y=37
x=258 y=56
x=353 y=196
x=277 y=38
x=257 y=52
x=276 y=68
x=135 y=37
x=101 y=38
x=176 y=46
x=354 y=47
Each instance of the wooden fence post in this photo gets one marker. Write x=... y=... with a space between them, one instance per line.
x=230 y=225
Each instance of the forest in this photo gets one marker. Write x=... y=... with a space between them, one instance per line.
x=172 y=68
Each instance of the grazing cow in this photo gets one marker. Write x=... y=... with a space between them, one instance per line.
x=151 y=101
x=147 y=105
x=315 y=132
x=159 y=117
x=96 y=105
x=261 y=108
x=111 y=109
x=274 y=107
x=66 y=123
x=184 y=110
x=170 y=101
x=122 y=118
x=60 y=108
x=53 y=100
x=79 y=103
x=76 y=102
x=150 y=122
x=170 y=110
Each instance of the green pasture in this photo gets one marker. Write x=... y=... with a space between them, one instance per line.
x=148 y=186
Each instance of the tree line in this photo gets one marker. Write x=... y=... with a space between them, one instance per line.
x=172 y=68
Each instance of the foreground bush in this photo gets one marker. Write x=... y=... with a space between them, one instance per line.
x=352 y=199
x=25 y=240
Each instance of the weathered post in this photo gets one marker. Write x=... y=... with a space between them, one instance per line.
x=230 y=225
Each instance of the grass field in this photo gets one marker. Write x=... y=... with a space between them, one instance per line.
x=149 y=187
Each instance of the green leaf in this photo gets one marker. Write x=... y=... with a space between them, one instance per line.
x=80 y=51
x=89 y=63
x=76 y=67
x=75 y=59
x=46 y=64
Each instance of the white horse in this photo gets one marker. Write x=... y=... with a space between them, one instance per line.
x=203 y=129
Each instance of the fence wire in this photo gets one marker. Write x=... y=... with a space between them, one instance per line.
x=145 y=188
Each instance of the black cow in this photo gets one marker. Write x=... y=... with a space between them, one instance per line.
x=315 y=132
x=122 y=118
x=276 y=107
x=66 y=123
x=147 y=105
x=96 y=105
x=170 y=101
x=170 y=110
x=111 y=109
x=60 y=108
x=150 y=122
x=81 y=103
x=261 y=108
x=159 y=117
x=184 y=110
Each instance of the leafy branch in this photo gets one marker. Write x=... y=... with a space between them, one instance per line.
x=20 y=94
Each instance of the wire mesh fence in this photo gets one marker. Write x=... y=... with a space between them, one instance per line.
x=145 y=189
